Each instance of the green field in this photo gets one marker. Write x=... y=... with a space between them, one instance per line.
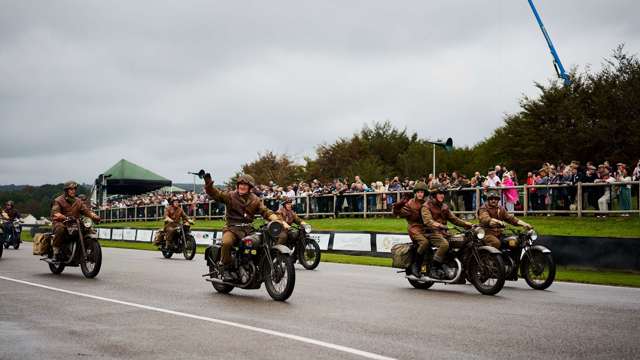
x=545 y=225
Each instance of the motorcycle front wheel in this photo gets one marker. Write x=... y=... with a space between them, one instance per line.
x=487 y=276
x=309 y=254
x=280 y=278
x=221 y=288
x=90 y=266
x=189 y=248
x=538 y=269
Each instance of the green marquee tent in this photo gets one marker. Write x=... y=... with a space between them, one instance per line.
x=127 y=178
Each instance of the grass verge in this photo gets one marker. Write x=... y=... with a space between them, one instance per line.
x=545 y=225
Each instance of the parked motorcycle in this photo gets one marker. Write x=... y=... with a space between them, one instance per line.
x=255 y=260
x=183 y=243
x=535 y=262
x=12 y=236
x=305 y=249
x=81 y=248
x=468 y=259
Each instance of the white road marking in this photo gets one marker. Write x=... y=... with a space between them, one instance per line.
x=303 y=339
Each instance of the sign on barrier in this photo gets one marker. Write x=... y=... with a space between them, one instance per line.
x=129 y=234
x=116 y=234
x=322 y=240
x=384 y=242
x=104 y=234
x=144 y=235
x=352 y=242
x=203 y=237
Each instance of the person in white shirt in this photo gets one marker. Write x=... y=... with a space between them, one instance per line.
x=603 y=201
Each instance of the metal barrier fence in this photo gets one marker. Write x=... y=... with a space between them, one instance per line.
x=579 y=199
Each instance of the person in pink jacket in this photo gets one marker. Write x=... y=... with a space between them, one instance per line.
x=510 y=195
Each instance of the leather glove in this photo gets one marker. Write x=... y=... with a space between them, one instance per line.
x=207 y=178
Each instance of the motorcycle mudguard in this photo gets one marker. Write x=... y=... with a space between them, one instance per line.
x=490 y=249
x=282 y=249
x=542 y=249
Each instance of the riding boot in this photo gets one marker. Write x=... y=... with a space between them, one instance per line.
x=226 y=273
x=416 y=267
x=435 y=270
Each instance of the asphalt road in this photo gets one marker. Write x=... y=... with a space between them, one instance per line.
x=142 y=306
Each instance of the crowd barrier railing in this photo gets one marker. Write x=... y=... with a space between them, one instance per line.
x=551 y=199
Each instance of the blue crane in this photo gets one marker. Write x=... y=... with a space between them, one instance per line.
x=556 y=59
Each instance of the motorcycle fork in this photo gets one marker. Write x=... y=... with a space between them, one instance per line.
x=81 y=238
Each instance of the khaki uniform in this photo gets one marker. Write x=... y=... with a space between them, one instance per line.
x=411 y=211
x=170 y=228
x=70 y=207
x=290 y=217
x=241 y=209
x=492 y=233
x=434 y=214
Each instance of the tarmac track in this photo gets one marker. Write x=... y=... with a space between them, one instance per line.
x=142 y=306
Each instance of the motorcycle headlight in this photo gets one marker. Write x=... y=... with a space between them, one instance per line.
x=307 y=228
x=480 y=233
x=87 y=222
x=533 y=235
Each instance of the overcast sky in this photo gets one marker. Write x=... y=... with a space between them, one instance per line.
x=181 y=85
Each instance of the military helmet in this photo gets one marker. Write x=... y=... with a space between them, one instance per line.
x=437 y=189
x=420 y=186
x=246 y=179
x=70 y=185
x=493 y=194
x=9 y=203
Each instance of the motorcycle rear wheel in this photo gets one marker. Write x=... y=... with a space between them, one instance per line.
x=280 y=278
x=167 y=254
x=56 y=269
x=189 y=248
x=1 y=250
x=488 y=277
x=91 y=265
x=538 y=269
x=16 y=246
x=309 y=254
x=221 y=288
x=423 y=285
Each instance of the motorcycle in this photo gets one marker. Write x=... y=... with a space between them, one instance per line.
x=183 y=243
x=305 y=249
x=467 y=259
x=81 y=248
x=255 y=260
x=535 y=262
x=11 y=237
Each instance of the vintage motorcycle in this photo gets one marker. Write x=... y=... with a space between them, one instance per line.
x=305 y=249
x=183 y=243
x=81 y=248
x=468 y=259
x=535 y=262
x=256 y=260
x=11 y=237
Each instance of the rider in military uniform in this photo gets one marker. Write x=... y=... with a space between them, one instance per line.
x=410 y=209
x=435 y=214
x=64 y=206
x=241 y=207
x=289 y=216
x=8 y=215
x=172 y=216
x=493 y=217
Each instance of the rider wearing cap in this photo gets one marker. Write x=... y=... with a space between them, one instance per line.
x=8 y=215
x=493 y=217
x=241 y=207
x=435 y=214
x=410 y=210
x=64 y=206
x=172 y=216
x=286 y=214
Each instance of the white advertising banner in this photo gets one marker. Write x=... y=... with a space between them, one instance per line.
x=204 y=237
x=321 y=239
x=384 y=242
x=116 y=234
x=104 y=234
x=144 y=235
x=353 y=242
x=129 y=234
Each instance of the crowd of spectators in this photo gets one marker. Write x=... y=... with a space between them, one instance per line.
x=334 y=197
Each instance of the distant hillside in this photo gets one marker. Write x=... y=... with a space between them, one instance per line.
x=189 y=186
x=35 y=200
